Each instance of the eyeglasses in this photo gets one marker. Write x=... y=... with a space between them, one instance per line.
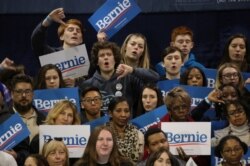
x=55 y=138
x=231 y=75
x=179 y=108
x=238 y=111
x=236 y=150
x=90 y=100
x=21 y=92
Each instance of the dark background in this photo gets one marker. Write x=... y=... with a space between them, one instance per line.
x=211 y=29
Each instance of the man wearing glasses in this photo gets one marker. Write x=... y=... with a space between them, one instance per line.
x=22 y=95
x=91 y=103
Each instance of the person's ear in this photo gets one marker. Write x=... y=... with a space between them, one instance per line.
x=62 y=38
x=82 y=105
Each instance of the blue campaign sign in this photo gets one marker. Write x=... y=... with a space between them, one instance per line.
x=211 y=75
x=97 y=122
x=246 y=76
x=151 y=118
x=114 y=15
x=166 y=85
x=12 y=132
x=196 y=93
x=45 y=99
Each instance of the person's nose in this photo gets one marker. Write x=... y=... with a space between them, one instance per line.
x=57 y=156
x=194 y=79
x=65 y=117
x=238 y=48
x=52 y=80
x=123 y=113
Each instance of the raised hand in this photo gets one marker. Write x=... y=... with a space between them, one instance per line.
x=56 y=15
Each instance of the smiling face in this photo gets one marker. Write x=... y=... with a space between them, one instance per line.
x=121 y=114
x=173 y=63
x=149 y=99
x=104 y=144
x=72 y=36
x=237 y=50
x=134 y=48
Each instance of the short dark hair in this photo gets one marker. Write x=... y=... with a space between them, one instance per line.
x=169 y=50
x=115 y=101
x=218 y=149
x=90 y=88
x=21 y=78
x=151 y=131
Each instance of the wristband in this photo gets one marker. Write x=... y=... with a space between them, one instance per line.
x=207 y=101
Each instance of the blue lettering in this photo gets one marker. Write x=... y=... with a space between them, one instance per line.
x=182 y=138
x=70 y=63
x=69 y=140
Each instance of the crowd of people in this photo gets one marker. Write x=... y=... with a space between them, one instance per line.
x=125 y=79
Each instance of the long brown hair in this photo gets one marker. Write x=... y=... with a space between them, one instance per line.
x=90 y=156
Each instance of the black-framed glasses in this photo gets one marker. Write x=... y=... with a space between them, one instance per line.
x=238 y=111
x=231 y=75
x=235 y=149
x=179 y=108
x=90 y=100
x=55 y=138
x=21 y=92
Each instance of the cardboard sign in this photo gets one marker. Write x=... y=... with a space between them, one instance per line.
x=45 y=99
x=12 y=132
x=197 y=93
x=149 y=119
x=113 y=15
x=193 y=137
x=75 y=137
x=73 y=62
x=98 y=122
x=167 y=85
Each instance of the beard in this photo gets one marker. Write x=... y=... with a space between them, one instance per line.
x=22 y=109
